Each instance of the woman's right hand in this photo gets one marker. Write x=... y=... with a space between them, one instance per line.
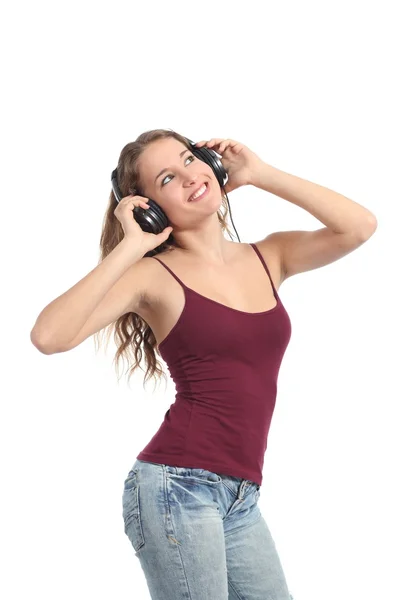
x=132 y=230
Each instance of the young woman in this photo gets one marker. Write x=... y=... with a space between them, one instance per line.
x=210 y=308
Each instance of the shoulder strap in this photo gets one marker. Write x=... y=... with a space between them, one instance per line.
x=265 y=266
x=168 y=269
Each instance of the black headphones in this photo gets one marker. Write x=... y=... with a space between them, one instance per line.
x=154 y=219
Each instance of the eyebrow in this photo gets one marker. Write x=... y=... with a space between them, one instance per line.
x=163 y=171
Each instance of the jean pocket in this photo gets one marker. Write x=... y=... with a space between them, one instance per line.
x=192 y=475
x=131 y=511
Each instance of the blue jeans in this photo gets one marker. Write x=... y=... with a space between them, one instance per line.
x=200 y=535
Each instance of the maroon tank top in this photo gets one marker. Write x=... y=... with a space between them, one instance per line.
x=225 y=365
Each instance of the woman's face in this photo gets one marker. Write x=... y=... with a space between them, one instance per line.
x=170 y=174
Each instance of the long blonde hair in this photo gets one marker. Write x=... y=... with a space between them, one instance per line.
x=130 y=330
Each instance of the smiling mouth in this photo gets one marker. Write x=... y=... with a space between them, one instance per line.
x=205 y=191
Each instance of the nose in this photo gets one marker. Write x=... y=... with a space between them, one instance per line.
x=191 y=181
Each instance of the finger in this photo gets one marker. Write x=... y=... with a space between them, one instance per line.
x=224 y=145
x=210 y=143
x=234 y=146
x=214 y=142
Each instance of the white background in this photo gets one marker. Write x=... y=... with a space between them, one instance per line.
x=311 y=88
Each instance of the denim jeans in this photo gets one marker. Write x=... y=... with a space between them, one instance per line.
x=200 y=535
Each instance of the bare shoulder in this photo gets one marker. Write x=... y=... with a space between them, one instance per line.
x=270 y=249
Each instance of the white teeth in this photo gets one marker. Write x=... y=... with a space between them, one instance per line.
x=198 y=193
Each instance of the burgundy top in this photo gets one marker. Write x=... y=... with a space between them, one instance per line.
x=225 y=364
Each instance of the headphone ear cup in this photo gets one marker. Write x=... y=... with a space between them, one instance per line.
x=152 y=219
x=211 y=158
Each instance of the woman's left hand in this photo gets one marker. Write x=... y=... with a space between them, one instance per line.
x=239 y=161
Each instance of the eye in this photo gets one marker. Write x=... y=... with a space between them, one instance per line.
x=190 y=156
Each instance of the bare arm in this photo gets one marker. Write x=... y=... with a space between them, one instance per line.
x=111 y=285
